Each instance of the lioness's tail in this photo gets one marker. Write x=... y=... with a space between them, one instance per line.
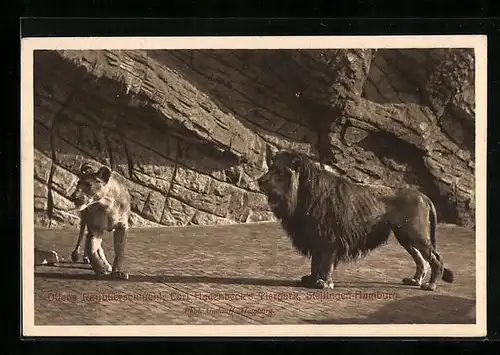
x=447 y=273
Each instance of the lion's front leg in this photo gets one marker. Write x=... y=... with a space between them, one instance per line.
x=325 y=270
x=310 y=280
x=75 y=255
x=120 y=243
x=98 y=260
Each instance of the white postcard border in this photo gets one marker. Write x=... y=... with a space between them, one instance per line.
x=28 y=45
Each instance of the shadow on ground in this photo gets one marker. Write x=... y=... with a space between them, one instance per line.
x=420 y=309
x=174 y=279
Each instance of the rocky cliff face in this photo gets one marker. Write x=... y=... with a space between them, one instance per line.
x=188 y=130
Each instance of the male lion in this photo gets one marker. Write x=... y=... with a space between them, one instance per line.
x=104 y=204
x=333 y=220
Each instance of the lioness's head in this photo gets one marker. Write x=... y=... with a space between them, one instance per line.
x=90 y=184
x=280 y=182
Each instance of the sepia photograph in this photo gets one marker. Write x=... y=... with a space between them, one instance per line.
x=316 y=186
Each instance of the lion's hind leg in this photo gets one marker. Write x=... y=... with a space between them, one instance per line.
x=420 y=265
x=404 y=238
x=437 y=269
x=421 y=251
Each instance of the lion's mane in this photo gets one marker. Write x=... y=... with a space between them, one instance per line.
x=324 y=210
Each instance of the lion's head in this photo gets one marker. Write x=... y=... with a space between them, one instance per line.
x=90 y=184
x=280 y=182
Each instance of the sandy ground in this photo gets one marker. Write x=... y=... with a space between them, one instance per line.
x=246 y=274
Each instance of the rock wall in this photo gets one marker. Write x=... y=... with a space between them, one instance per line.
x=188 y=130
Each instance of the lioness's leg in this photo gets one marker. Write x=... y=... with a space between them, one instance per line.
x=75 y=255
x=325 y=270
x=100 y=252
x=120 y=242
x=310 y=280
x=98 y=260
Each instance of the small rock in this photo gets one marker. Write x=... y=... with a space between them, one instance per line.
x=46 y=257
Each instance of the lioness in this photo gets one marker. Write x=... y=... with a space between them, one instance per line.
x=333 y=220
x=104 y=205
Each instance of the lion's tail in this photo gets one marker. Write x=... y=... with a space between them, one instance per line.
x=447 y=273
x=433 y=222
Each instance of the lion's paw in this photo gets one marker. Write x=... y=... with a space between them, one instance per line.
x=410 y=281
x=105 y=270
x=323 y=285
x=428 y=286
x=119 y=275
x=308 y=280
x=102 y=273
